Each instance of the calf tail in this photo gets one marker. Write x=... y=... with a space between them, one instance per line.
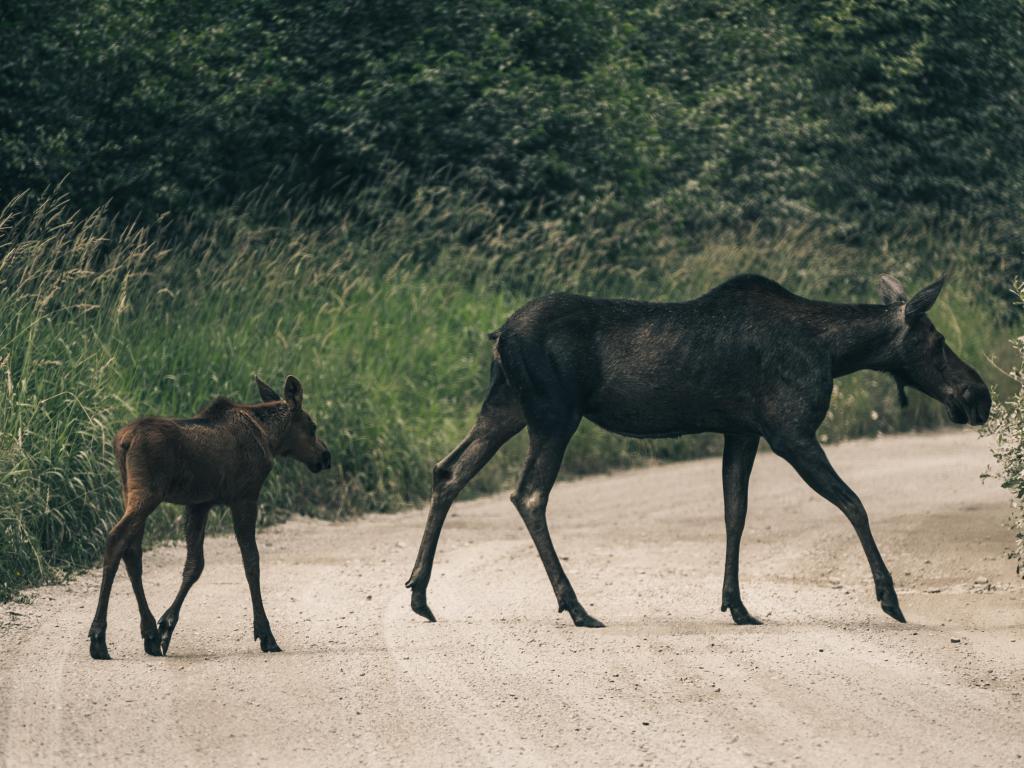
x=122 y=442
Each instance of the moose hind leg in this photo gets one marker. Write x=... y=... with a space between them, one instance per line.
x=147 y=624
x=195 y=532
x=810 y=461
x=499 y=420
x=118 y=540
x=531 y=499
x=737 y=461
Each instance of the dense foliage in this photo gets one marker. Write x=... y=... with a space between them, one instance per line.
x=857 y=114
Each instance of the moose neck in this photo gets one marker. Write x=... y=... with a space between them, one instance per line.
x=858 y=336
x=274 y=418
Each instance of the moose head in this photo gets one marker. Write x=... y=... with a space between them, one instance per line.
x=920 y=358
x=299 y=440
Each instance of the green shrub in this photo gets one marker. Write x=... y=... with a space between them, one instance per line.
x=1007 y=427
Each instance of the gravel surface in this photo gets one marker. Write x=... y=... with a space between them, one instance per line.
x=502 y=679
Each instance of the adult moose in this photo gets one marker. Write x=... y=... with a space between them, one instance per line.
x=749 y=359
x=222 y=456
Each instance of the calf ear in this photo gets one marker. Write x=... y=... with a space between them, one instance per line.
x=891 y=289
x=266 y=393
x=293 y=392
x=924 y=299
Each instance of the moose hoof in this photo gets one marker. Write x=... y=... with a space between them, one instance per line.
x=420 y=607
x=741 y=617
x=893 y=609
x=269 y=645
x=153 y=645
x=886 y=595
x=98 y=647
x=739 y=612
x=166 y=628
x=583 y=619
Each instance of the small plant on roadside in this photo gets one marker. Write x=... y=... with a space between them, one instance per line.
x=1006 y=425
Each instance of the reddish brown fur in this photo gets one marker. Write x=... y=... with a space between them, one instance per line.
x=222 y=456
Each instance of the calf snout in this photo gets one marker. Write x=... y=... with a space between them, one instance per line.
x=324 y=462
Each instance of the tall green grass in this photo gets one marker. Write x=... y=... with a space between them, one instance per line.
x=382 y=311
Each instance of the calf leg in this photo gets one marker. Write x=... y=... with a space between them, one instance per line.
x=809 y=460
x=499 y=420
x=531 y=499
x=737 y=461
x=195 y=532
x=137 y=509
x=133 y=564
x=243 y=515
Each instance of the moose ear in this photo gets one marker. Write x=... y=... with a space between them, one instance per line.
x=293 y=392
x=266 y=393
x=924 y=299
x=892 y=290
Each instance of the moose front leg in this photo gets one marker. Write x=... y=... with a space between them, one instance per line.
x=737 y=461
x=809 y=460
x=243 y=515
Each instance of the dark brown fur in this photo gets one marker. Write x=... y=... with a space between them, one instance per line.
x=222 y=456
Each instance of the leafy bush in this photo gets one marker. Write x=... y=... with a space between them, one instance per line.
x=859 y=116
x=1007 y=426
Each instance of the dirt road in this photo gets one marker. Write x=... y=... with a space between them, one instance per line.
x=504 y=680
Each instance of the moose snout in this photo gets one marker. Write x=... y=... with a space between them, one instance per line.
x=974 y=402
x=979 y=403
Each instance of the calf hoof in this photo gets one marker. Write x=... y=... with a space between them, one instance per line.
x=583 y=619
x=166 y=628
x=98 y=647
x=152 y=644
x=269 y=645
x=419 y=605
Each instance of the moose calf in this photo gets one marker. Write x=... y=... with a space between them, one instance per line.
x=222 y=456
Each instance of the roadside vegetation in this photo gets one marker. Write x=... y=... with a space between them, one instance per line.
x=383 y=317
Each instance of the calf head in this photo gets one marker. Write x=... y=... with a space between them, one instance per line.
x=920 y=357
x=299 y=440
